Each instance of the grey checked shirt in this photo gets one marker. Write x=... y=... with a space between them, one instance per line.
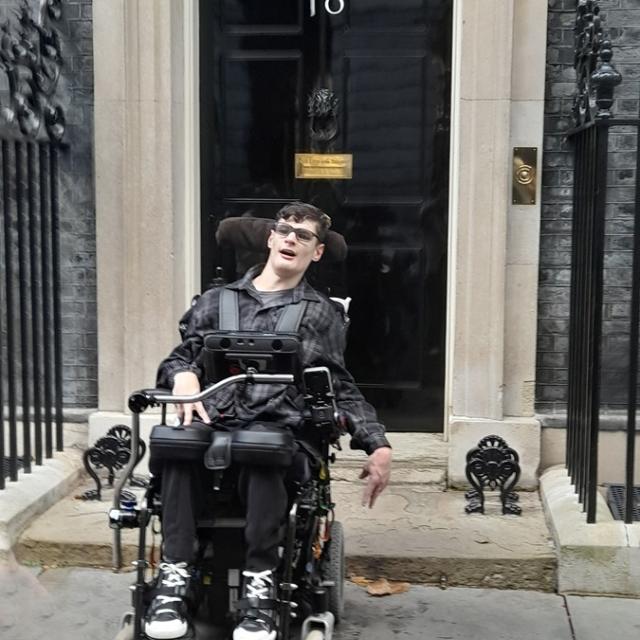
x=322 y=336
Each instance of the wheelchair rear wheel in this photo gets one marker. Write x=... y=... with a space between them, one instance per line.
x=334 y=571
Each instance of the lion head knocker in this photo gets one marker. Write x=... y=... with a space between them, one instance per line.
x=322 y=109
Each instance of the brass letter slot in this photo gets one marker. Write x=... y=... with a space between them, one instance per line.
x=525 y=176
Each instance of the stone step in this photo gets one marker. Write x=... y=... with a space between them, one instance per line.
x=436 y=478
x=419 y=459
x=422 y=535
x=414 y=533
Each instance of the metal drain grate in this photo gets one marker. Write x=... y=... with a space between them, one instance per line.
x=6 y=466
x=616 y=501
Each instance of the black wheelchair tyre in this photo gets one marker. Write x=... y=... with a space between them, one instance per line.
x=334 y=570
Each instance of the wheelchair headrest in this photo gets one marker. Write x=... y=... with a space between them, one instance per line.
x=250 y=234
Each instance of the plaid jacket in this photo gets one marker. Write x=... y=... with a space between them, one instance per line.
x=322 y=337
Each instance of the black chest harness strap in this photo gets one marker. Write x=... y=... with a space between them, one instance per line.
x=229 y=320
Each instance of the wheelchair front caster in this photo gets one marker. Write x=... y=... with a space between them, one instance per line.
x=126 y=633
x=318 y=627
x=126 y=627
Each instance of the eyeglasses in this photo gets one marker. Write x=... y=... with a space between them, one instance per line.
x=304 y=235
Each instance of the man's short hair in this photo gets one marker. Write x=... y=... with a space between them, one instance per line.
x=300 y=211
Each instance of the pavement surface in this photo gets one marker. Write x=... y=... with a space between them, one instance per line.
x=82 y=604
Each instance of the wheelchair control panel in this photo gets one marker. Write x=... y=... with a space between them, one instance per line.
x=228 y=353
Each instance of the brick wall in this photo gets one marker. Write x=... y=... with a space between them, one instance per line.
x=77 y=209
x=622 y=21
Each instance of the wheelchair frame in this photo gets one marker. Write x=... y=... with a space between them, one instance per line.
x=321 y=622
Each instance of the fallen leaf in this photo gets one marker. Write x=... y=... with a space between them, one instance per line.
x=384 y=587
x=361 y=581
x=399 y=587
x=380 y=587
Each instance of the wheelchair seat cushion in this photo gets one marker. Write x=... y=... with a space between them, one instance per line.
x=185 y=443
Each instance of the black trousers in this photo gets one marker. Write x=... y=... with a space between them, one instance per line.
x=263 y=490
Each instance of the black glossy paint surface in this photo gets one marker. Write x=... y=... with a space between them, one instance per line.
x=388 y=64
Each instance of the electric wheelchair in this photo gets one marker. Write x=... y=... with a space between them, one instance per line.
x=311 y=572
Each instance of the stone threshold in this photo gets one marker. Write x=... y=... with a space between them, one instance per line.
x=418 y=531
x=418 y=534
x=601 y=558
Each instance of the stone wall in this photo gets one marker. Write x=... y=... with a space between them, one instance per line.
x=622 y=21
x=77 y=208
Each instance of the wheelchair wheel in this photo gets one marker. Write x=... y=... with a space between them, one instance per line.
x=334 y=570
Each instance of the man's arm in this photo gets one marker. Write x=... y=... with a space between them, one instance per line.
x=187 y=383
x=377 y=470
x=181 y=371
x=324 y=345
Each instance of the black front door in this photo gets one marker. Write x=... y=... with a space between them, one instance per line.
x=361 y=77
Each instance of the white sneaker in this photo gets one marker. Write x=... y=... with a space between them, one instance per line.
x=168 y=616
x=257 y=623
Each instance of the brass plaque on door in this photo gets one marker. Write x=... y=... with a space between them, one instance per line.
x=525 y=176
x=324 y=166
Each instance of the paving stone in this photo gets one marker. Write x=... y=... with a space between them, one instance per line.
x=596 y=618
x=73 y=604
x=454 y=614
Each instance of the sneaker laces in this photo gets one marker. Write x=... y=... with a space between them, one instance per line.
x=163 y=600
x=174 y=575
x=260 y=584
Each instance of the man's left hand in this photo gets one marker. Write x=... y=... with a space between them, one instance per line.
x=377 y=470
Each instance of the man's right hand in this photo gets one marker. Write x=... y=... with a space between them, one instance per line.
x=186 y=383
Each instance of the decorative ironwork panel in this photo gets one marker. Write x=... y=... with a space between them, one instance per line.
x=596 y=78
x=30 y=58
x=493 y=465
x=111 y=452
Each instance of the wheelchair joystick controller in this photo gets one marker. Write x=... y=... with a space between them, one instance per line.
x=320 y=396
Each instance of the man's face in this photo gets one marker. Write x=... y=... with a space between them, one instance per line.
x=290 y=255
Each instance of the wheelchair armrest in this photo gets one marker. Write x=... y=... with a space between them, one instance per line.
x=262 y=445
x=141 y=400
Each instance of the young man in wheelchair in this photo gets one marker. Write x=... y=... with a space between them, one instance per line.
x=296 y=240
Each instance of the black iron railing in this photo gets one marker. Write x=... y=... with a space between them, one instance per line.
x=589 y=362
x=593 y=232
x=31 y=130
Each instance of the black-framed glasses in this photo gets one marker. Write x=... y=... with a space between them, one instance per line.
x=304 y=235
